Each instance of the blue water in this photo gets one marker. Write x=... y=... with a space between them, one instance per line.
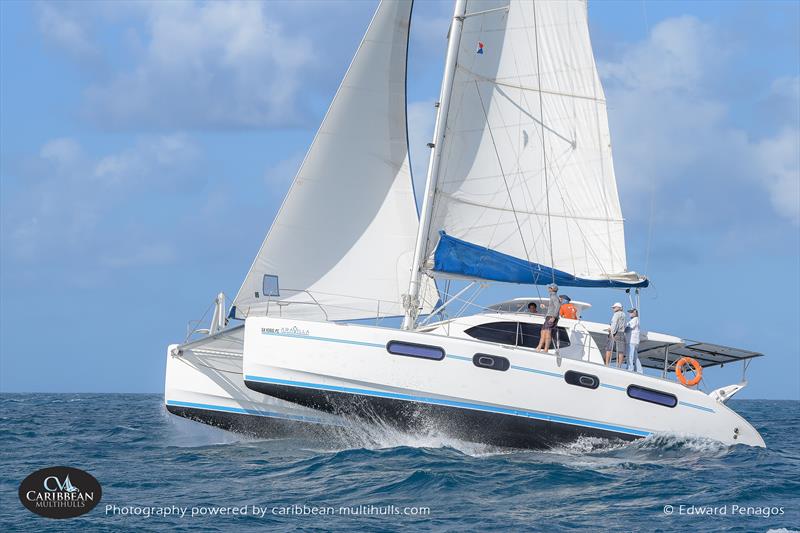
x=146 y=459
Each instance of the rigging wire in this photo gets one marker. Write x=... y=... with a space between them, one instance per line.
x=652 y=179
x=544 y=146
x=505 y=181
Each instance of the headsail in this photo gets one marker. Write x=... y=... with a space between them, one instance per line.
x=343 y=239
x=526 y=190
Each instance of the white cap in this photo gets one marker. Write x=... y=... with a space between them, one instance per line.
x=616 y=304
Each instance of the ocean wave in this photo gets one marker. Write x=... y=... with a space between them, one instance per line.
x=597 y=484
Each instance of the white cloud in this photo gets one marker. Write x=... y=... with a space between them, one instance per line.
x=204 y=65
x=189 y=65
x=63 y=150
x=678 y=55
x=669 y=126
x=65 y=203
x=787 y=87
x=149 y=159
x=779 y=156
x=61 y=28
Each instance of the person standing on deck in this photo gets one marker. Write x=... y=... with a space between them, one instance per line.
x=616 y=335
x=550 y=319
x=632 y=329
x=568 y=310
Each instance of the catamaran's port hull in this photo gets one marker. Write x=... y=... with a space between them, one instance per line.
x=204 y=383
x=255 y=425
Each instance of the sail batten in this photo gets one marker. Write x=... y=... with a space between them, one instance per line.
x=526 y=168
x=341 y=245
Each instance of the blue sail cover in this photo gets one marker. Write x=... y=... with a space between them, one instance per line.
x=454 y=256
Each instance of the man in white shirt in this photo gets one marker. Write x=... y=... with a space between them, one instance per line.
x=632 y=329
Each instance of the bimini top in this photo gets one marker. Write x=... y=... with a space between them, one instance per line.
x=520 y=305
x=707 y=354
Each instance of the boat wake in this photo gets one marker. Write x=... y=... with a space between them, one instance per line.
x=375 y=433
x=678 y=449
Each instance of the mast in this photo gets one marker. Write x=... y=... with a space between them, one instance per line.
x=411 y=300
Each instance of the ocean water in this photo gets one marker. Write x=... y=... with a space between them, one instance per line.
x=377 y=479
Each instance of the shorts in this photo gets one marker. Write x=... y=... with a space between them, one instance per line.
x=612 y=343
x=550 y=323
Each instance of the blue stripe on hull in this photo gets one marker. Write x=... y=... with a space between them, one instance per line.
x=452 y=403
x=241 y=411
x=468 y=359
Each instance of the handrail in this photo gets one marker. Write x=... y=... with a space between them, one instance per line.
x=298 y=291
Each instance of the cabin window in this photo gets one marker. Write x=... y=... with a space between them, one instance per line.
x=499 y=332
x=270 y=286
x=495 y=362
x=530 y=333
x=652 y=396
x=410 y=349
x=581 y=380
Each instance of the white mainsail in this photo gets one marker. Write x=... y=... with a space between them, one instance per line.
x=526 y=167
x=341 y=245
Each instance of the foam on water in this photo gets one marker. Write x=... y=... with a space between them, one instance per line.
x=143 y=456
x=376 y=434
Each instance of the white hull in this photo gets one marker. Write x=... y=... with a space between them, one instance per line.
x=347 y=368
x=204 y=383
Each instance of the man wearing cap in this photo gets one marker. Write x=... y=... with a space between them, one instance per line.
x=550 y=319
x=616 y=335
x=632 y=329
x=568 y=310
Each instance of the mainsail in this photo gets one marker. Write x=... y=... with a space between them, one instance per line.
x=526 y=191
x=341 y=245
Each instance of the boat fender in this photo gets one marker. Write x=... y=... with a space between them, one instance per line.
x=698 y=371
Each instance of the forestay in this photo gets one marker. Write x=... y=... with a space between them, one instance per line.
x=526 y=168
x=341 y=245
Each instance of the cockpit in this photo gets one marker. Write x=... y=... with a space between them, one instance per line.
x=520 y=305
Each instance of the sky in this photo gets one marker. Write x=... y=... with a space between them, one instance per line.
x=146 y=147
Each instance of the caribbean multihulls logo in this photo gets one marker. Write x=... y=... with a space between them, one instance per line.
x=60 y=492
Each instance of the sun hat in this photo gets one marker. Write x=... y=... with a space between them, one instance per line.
x=553 y=286
x=616 y=304
x=565 y=298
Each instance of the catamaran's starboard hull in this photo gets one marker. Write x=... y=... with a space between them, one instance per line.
x=466 y=424
x=204 y=383
x=529 y=400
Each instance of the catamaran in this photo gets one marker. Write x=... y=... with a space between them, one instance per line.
x=520 y=189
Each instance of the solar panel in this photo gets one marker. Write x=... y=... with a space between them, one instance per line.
x=707 y=354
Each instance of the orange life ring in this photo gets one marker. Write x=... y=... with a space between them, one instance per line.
x=698 y=371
